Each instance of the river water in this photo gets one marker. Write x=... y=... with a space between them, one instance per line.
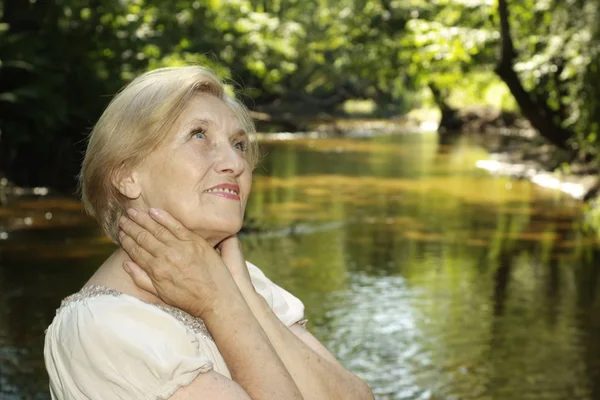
x=428 y=278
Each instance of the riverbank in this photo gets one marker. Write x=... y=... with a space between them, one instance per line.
x=529 y=157
x=517 y=150
x=538 y=164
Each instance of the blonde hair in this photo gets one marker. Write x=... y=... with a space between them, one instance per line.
x=134 y=124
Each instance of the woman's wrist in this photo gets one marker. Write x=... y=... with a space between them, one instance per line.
x=256 y=302
x=224 y=312
x=245 y=286
x=228 y=302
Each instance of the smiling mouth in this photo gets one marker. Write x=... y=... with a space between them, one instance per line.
x=225 y=191
x=222 y=190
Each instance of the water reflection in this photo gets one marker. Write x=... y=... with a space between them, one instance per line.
x=455 y=284
x=429 y=278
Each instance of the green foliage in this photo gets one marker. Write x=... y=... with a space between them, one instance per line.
x=558 y=54
x=60 y=61
x=558 y=51
x=448 y=40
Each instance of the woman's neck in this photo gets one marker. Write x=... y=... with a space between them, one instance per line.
x=112 y=275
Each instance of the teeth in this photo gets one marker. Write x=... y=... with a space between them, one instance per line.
x=222 y=190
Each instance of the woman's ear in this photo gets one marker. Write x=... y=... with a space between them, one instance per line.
x=127 y=182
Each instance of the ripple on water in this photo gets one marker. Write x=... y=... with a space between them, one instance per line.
x=384 y=329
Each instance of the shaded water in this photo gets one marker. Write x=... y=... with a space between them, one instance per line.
x=428 y=278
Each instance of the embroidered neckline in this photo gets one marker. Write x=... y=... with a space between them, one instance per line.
x=195 y=324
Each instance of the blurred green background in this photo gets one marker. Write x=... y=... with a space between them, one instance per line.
x=62 y=60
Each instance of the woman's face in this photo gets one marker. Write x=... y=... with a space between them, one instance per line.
x=200 y=173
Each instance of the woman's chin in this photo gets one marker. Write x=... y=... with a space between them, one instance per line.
x=214 y=236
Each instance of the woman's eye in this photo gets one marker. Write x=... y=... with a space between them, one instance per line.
x=199 y=134
x=241 y=146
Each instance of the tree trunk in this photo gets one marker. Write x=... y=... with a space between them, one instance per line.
x=542 y=118
x=450 y=120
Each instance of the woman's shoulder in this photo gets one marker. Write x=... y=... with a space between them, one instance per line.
x=99 y=305
x=103 y=342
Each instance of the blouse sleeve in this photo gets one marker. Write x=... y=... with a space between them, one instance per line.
x=120 y=348
x=288 y=308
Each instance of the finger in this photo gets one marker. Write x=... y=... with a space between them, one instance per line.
x=139 y=277
x=172 y=224
x=141 y=236
x=144 y=220
x=231 y=251
x=139 y=255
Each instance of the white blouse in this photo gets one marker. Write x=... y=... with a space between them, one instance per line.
x=103 y=344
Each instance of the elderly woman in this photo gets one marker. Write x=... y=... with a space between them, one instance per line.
x=176 y=312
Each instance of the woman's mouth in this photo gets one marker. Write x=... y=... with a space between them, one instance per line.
x=226 y=190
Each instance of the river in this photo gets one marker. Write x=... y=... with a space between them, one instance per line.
x=425 y=276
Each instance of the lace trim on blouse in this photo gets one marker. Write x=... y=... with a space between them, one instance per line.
x=196 y=325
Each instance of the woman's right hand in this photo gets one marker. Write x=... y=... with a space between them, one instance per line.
x=174 y=263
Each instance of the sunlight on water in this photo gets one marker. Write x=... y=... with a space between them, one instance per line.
x=544 y=179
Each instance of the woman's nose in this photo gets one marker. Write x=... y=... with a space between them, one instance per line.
x=229 y=160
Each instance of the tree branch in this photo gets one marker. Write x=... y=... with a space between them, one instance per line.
x=542 y=118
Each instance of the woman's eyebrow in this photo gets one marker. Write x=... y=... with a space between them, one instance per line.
x=240 y=133
x=197 y=121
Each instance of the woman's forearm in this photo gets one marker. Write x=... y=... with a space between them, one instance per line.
x=317 y=377
x=253 y=362
x=184 y=270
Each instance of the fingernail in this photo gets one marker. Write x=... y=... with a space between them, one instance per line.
x=121 y=234
x=126 y=267
x=131 y=212
x=153 y=211
x=122 y=220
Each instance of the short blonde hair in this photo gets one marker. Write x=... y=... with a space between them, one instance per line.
x=134 y=124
